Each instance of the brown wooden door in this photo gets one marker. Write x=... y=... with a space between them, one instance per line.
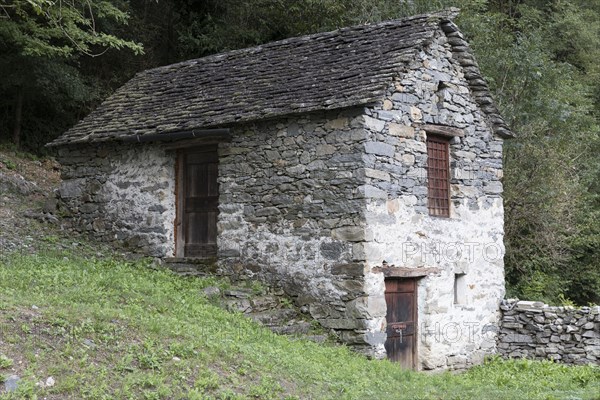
x=401 y=299
x=199 y=201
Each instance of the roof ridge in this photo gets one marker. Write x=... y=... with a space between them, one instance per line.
x=447 y=14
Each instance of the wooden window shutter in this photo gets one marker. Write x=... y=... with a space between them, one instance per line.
x=438 y=176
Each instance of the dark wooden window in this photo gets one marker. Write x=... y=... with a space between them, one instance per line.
x=438 y=176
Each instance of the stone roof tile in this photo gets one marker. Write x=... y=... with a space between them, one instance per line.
x=347 y=67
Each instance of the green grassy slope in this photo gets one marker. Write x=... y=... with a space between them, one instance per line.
x=105 y=329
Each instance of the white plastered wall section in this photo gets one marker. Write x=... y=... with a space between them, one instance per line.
x=140 y=193
x=402 y=233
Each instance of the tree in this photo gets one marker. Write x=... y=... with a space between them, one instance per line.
x=217 y=25
x=41 y=39
x=49 y=28
x=539 y=58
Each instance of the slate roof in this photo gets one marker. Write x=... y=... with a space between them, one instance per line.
x=347 y=67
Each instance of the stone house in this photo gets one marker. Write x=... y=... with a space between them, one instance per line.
x=359 y=170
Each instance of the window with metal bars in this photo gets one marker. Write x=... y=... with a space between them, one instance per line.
x=438 y=176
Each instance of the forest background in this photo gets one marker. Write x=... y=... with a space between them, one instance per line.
x=60 y=58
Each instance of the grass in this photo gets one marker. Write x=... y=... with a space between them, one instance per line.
x=106 y=329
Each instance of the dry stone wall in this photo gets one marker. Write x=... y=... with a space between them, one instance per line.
x=291 y=209
x=532 y=329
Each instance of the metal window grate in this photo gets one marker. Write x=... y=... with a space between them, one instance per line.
x=438 y=176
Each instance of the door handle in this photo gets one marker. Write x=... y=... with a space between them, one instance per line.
x=399 y=329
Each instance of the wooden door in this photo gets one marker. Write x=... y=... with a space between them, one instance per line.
x=198 y=202
x=401 y=299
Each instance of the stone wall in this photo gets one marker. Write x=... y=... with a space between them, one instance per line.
x=535 y=330
x=292 y=209
x=468 y=245
x=121 y=194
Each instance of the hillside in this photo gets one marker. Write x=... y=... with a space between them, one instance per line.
x=78 y=321
x=30 y=215
x=26 y=185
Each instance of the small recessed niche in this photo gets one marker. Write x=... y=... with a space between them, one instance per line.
x=441 y=94
x=441 y=86
x=460 y=289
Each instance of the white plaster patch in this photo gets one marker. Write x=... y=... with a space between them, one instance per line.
x=141 y=193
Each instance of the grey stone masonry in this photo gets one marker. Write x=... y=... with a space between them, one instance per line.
x=291 y=212
x=532 y=329
x=121 y=194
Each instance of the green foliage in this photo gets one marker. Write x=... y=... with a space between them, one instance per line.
x=9 y=164
x=544 y=379
x=42 y=88
x=267 y=389
x=5 y=362
x=149 y=356
x=536 y=58
x=207 y=380
x=218 y=25
x=257 y=287
x=48 y=29
x=50 y=87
